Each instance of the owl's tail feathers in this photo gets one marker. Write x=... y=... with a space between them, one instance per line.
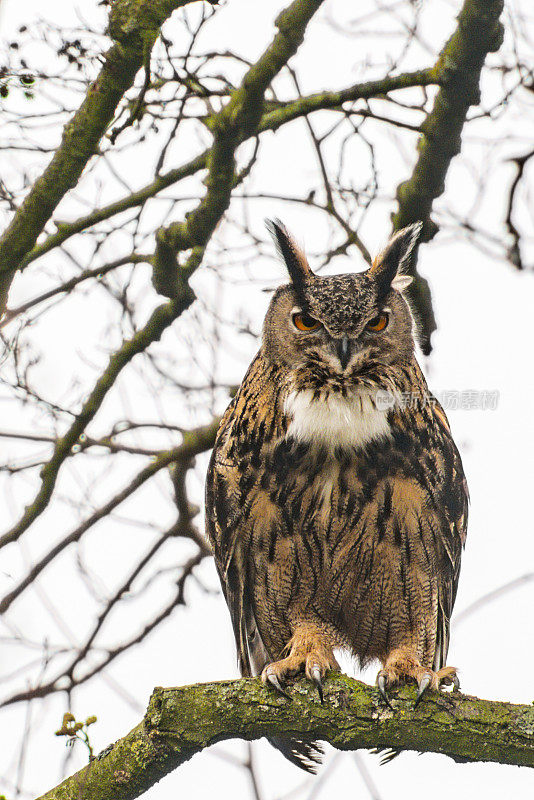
x=304 y=754
x=386 y=755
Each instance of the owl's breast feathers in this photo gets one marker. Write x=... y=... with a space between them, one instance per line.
x=323 y=505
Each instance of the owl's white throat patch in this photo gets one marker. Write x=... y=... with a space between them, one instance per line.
x=335 y=421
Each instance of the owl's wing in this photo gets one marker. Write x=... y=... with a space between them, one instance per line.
x=454 y=504
x=230 y=540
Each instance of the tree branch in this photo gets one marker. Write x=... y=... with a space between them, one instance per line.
x=194 y=442
x=161 y=318
x=270 y=121
x=457 y=70
x=134 y=25
x=335 y=101
x=242 y=113
x=238 y=120
x=181 y=722
x=65 y=288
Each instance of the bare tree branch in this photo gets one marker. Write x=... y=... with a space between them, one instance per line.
x=270 y=121
x=64 y=288
x=195 y=441
x=160 y=319
x=237 y=120
x=514 y=251
x=134 y=25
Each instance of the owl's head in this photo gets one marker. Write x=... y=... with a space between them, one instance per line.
x=339 y=327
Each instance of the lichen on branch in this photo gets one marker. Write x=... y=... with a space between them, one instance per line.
x=457 y=71
x=183 y=721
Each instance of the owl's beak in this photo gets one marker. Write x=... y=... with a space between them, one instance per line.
x=343 y=351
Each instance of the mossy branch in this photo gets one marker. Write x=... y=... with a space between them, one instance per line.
x=238 y=120
x=336 y=100
x=134 y=26
x=270 y=121
x=181 y=722
x=457 y=70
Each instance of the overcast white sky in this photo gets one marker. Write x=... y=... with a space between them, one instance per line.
x=484 y=342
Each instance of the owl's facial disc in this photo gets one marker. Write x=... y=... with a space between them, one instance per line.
x=337 y=351
x=341 y=348
x=336 y=331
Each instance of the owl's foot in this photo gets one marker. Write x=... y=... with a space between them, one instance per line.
x=308 y=653
x=273 y=675
x=314 y=666
x=402 y=665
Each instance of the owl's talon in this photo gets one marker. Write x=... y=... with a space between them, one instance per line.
x=381 y=683
x=274 y=681
x=269 y=676
x=424 y=683
x=316 y=678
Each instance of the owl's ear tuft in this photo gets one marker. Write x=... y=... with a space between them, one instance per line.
x=390 y=266
x=294 y=258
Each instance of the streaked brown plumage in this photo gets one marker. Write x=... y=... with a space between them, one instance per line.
x=337 y=513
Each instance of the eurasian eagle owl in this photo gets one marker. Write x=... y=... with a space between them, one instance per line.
x=336 y=499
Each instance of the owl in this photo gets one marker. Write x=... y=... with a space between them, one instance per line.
x=336 y=502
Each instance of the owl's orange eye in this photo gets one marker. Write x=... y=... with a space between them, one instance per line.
x=378 y=323
x=303 y=322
